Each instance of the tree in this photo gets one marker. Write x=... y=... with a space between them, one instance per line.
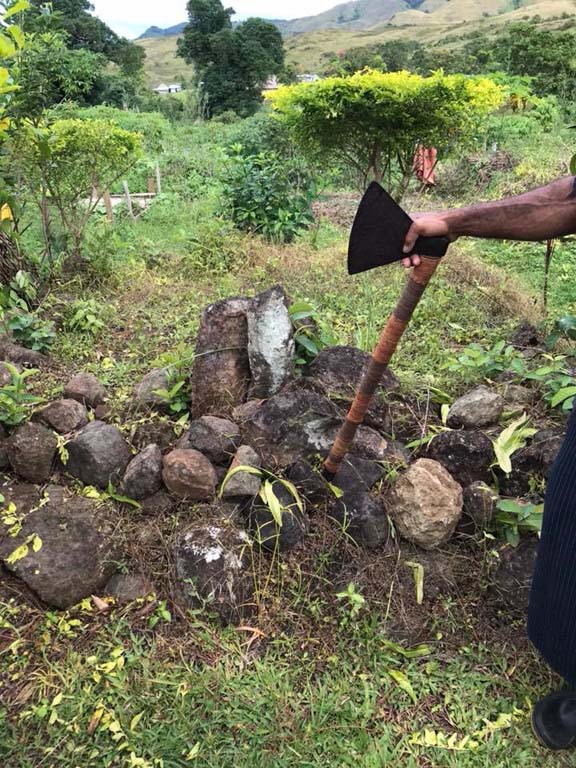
x=373 y=121
x=70 y=164
x=232 y=64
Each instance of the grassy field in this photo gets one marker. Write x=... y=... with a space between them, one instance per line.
x=315 y=679
x=161 y=64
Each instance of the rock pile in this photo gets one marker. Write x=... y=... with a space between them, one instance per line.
x=250 y=456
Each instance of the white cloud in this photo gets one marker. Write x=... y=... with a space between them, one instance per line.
x=131 y=17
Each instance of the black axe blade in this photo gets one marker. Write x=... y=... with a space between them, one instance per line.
x=379 y=231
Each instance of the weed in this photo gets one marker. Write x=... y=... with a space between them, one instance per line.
x=514 y=517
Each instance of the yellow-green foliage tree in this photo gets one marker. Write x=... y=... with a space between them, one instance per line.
x=373 y=121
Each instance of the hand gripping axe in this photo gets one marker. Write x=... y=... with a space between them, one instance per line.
x=377 y=238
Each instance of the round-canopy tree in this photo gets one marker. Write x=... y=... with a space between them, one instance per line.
x=373 y=121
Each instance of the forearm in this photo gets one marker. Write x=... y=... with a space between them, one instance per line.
x=541 y=214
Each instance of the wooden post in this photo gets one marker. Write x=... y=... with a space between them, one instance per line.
x=128 y=199
x=108 y=206
x=151 y=185
x=158 y=180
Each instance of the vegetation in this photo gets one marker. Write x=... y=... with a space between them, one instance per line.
x=354 y=658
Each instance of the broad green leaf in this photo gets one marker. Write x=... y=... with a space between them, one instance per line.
x=18 y=554
x=511 y=440
x=17 y=35
x=7 y=47
x=17 y=7
x=562 y=395
x=402 y=681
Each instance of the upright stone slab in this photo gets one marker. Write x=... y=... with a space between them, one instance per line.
x=221 y=370
x=270 y=343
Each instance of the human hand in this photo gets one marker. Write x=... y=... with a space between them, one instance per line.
x=424 y=225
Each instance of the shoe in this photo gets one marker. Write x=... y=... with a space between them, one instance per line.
x=554 y=720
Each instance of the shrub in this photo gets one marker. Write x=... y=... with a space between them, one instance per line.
x=270 y=196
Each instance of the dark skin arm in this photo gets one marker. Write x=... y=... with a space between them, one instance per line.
x=541 y=214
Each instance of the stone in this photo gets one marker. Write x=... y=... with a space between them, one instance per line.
x=31 y=451
x=98 y=455
x=339 y=371
x=526 y=335
x=157 y=505
x=363 y=517
x=243 y=483
x=297 y=423
x=467 y=454
x=17 y=355
x=145 y=391
x=75 y=559
x=426 y=504
x=63 y=416
x=480 y=407
x=216 y=438
x=511 y=579
x=308 y=481
x=531 y=465
x=4 y=457
x=214 y=569
x=86 y=389
x=245 y=411
x=6 y=374
x=479 y=508
x=265 y=529
x=517 y=397
x=409 y=418
x=126 y=588
x=160 y=433
x=358 y=474
x=271 y=344
x=143 y=477
x=189 y=475
x=221 y=369
x=24 y=496
x=103 y=412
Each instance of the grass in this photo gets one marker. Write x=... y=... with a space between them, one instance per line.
x=161 y=64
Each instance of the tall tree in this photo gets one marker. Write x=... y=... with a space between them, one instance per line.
x=232 y=63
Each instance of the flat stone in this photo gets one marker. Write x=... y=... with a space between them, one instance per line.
x=243 y=483
x=426 y=504
x=214 y=569
x=64 y=416
x=86 y=389
x=271 y=344
x=216 y=438
x=143 y=477
x=75 y=557
x=98 y=455
x=480 y=407
x=189 y=475
x=221 y=369
x=31 y=451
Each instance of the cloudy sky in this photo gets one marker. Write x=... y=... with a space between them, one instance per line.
x=131 y=17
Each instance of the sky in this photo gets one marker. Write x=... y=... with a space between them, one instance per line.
x=131 y=17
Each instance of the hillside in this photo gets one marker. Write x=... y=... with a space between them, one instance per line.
x=434 y=22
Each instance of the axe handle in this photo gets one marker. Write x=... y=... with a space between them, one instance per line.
x=391 y=335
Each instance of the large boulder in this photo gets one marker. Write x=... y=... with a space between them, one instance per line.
x=296 y=423
x=270 y=343
x=480 y=407
x=426 y=504
x=466 y=454
x=63 y=416
x=243 y=483
x=31 y=452
x=531 y=465
x=98 y=455
x=64 y=550
x=86 y=389
x=214 y=569
x=221 y=370
x=267 y=533
x=145 y=392
x=189 y=475
x=363 y=517
x=216 y=438
x=143 y=477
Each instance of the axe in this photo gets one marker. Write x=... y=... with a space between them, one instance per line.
x=377 y=238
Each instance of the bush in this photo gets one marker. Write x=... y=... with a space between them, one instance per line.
x=270 y=196
x=153 y=127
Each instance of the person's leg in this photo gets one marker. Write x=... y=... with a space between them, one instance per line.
x=552 y=612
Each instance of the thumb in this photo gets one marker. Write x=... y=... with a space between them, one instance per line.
x=411 y=238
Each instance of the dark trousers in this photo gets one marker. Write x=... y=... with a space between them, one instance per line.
x=552 y=612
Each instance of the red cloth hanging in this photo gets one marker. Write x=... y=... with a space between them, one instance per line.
x=425 y=164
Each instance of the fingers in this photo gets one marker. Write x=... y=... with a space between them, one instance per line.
x=412 y=261
x=411 y=238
